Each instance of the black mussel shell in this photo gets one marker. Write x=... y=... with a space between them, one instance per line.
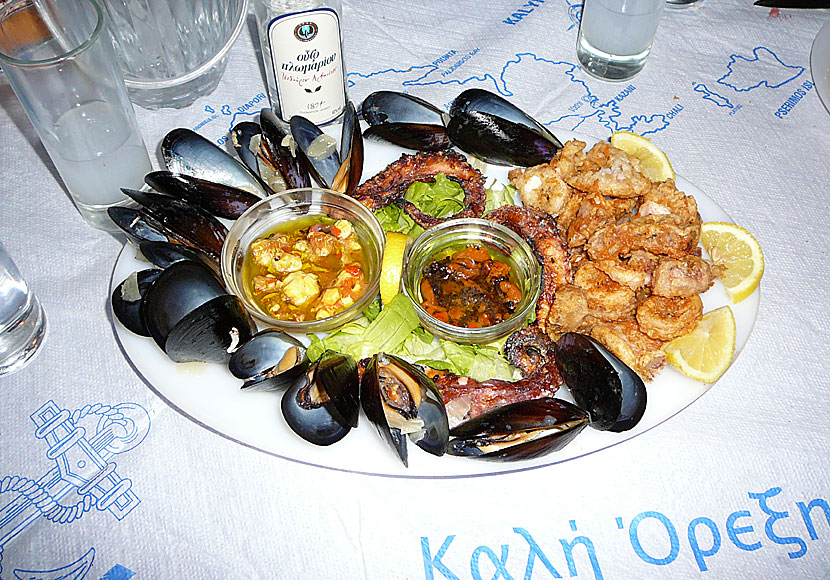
x=499 y=141
x=270 y=360
x=322 y=405
x=281 y=157
x=245 y=138
x=187 y=152
x=417 y=137
x=393 y=107
x=182 y=222
x=217 y=199
x=127 y=296
x=351 y=152
x=612 y=393
x=165 y=254
x=321 y=161
x=401 y=401
x=179 y=290
x=139 y=227
x=519 y=431
x=211 y=332
x=484 y=101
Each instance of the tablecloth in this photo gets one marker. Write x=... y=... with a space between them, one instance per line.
x=734 y=486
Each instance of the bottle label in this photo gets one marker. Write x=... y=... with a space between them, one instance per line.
x=308 y=64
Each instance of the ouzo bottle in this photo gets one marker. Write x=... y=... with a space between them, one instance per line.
x=303 y=57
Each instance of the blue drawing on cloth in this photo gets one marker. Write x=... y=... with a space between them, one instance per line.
x=764 y=68
x=712 y=96
x=574 y=14
x=80 y=445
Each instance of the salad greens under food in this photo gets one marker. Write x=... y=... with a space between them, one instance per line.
x=395 y=328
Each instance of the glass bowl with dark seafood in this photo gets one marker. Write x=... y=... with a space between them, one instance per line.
x=304 y=260
x=471 y=280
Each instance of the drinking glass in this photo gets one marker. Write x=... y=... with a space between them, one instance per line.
x=61 y=64
x=22 y=322
x=173 y=51
x=615 y=36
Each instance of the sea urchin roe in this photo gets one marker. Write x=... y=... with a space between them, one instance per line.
x=307 y=269
x=470 y=288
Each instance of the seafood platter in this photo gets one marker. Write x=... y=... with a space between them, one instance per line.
x=527 y=329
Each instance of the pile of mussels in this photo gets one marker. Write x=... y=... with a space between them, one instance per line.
x=182 y=304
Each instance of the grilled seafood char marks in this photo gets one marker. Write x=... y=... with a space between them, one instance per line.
x=634 y=248
x=529 y=349
x=541 y=232
x=390 y=185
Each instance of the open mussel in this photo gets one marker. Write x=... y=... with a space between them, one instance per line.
x=523 y=430
x=338 y=170
x=277 y=159
x=612 y=393
x=486 y=125
x=322 y=406
x=171 y=219
x=217 y=199
x=186 y=152
x=191 y=317
x=164 y=254
x=401 y=401
x=405 y=120
x=270 y=360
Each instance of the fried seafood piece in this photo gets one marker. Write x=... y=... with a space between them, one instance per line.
x=529 y=349
x=664 y=318
x=635 y=272
x=596 y=211
x=540 y=231
x=390 y=185
x=609 y=171
x=543 y=187
x=635 y=348
x=665 y=199
x=686 y=276
x=606 y=299
x=569 y=311
x=657 y=234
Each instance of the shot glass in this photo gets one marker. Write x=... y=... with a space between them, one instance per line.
x=615 y=36
x=61 y=64
x=22 y=322
x=172 y=52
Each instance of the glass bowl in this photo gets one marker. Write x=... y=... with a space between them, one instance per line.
x=261 y=219
x=460 y=233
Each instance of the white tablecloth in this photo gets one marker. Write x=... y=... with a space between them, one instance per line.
x=735 y=486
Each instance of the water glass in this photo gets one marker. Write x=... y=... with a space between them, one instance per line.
x=172 y=52
x=615 y=36
x=22 y=323
x=61 y=64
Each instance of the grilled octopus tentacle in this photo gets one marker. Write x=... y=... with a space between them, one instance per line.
x=390 y=185
x=540 y=231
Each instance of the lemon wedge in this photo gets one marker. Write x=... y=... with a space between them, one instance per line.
x=654 y=162
x=392 y=265
x=735 y=249
x=706 y=352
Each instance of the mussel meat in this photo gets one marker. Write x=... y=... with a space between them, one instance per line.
x=322 y=405
x=270 y=360
x=611 y=392
x=279 y=164
x=402 y=401
x=523 y=430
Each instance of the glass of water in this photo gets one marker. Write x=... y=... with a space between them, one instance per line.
x=22 y=323
x=61 y=64
x=615 y=36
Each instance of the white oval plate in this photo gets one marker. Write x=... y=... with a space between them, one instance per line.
x=820 y=64
x=209 y=395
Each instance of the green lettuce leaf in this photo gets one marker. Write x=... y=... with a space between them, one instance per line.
x=499 y=195
x=394 y=219
x=440 y=198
